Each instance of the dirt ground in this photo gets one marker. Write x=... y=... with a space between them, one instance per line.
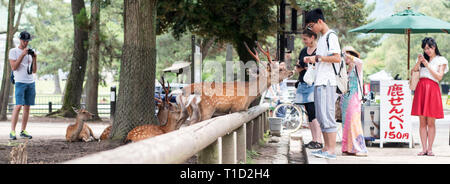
x=50 y=151
x=48 y=145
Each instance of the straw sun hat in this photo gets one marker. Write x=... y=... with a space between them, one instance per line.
x=352 y=50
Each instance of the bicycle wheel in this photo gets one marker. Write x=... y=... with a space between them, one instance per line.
x=292 y=116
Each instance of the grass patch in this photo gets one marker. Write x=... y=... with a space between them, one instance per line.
x=251 y=154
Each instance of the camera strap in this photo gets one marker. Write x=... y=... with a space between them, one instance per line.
x=30 y=69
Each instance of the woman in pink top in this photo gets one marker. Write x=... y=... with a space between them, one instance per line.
x=427 y=103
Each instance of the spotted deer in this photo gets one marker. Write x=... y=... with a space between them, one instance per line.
x=168 y=116
x=219 y=102
x=105 y=133
x=80 y=131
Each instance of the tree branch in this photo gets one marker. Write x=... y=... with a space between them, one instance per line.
x=18 y=18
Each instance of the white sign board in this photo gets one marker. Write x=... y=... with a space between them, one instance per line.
x=395 y=112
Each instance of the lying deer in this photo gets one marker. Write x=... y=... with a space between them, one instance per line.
x=218 y=102
x=168 y=116
x=80 y=131
x=105 y=133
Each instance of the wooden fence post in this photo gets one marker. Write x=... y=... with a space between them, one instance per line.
x=256 y=131
x=249 y=134
x=229 y=148
x=212 y=154
x=241 y=144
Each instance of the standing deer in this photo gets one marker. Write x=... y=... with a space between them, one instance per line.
x=80 y=131
x=218 y=102
x=168 y=116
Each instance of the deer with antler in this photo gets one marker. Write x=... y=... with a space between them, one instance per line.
x=206 y=105
x=168 y=116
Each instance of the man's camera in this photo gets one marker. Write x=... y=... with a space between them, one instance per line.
x=31 y=52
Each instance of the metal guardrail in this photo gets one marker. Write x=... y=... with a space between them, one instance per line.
x=221 y=140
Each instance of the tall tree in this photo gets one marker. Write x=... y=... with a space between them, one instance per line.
x=11 y=30
x=135 y=103
x=74 y=85
x=93 y=62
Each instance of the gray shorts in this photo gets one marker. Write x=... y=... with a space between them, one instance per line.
x=324 y=100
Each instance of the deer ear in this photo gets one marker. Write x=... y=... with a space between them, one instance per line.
x=75 y=109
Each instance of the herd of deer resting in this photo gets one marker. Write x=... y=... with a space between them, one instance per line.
x=195 y=104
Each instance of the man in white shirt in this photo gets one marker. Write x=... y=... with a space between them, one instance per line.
x=327 y=54
x=23 y=63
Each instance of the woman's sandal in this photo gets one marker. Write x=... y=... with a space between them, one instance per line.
x=318 y=145
x=422 y=153
x=430 y=153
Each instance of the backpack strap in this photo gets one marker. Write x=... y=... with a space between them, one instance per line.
x=328 y=48
x=328 y=37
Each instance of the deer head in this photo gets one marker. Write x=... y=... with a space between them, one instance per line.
x=168 y=112
x=274 y=70
x=83 y=114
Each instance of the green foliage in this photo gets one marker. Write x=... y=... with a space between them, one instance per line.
x=82 y=20
x=53 y=35
x=392 y=53
x=228 y=21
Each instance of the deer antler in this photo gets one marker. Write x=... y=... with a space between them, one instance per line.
x=166 y=89
x=267 y=53
x=255 y=55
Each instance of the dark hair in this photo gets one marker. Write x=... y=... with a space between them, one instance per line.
x=314 y=16
x=309 y=33
x=431 y=43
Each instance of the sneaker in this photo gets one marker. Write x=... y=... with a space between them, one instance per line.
x=25 y=134
x=317 y=153
x=325 y=155
x=12 y=135
x=329 y=156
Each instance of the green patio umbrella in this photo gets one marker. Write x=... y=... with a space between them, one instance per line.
x=406 y=22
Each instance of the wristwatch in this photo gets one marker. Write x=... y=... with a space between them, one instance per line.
x=318 y=58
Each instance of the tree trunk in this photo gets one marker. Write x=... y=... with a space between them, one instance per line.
x=93 y=62
x=135 y=102
x=205 y=46
x=57 y=84
x=74 y=85
x=6 y=84
x=229 y=56
x=244 y=55
x=238 y=44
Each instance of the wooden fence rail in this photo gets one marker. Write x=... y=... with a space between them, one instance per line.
x=223 y=139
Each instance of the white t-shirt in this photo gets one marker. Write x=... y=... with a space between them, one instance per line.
x=324 y=70
x=21 y=74
x=434 y=65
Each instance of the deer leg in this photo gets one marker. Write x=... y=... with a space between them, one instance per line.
x=196 y=112
x=184 y=114
x=91 y=134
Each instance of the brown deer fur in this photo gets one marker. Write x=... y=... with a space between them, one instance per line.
x=210 y=104
x=168 y=116
x=80 y=131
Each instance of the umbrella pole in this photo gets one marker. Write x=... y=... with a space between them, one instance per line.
x=409 y=40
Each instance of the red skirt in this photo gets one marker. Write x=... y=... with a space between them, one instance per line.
x=427 y=100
